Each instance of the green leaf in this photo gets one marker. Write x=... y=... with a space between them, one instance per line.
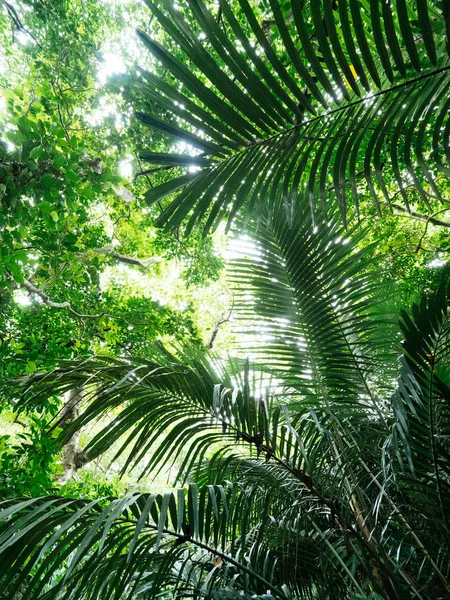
x=163 y=190
x=48 y=180
x=71 y=176
x=24 y=124
x=158 y=158
x=349 y=137
x=45 y=206
x=31 y=367
x=20 y=255
x=37 y=152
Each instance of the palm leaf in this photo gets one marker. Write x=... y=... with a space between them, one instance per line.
x=311 y=310
x=339 y=485
x=171 y=411
x=186 y=404
x=206 y=542
x=306 y=290
x=309 y=101
x=421 y=404
x=133 y=546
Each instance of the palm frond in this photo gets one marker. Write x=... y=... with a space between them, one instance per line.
x=172 y=411
x=312 y=101
x=135 y=546
x=212 y=542
x=310 y=309
x=340 y=486
x=307 y=292
x=422 y=408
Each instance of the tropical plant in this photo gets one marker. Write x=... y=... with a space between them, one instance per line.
x=306 y=101
x=320 y=470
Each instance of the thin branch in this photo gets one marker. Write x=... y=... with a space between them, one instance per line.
x=413 y=185
x=147 y=177
x=18 y=25
x=63 y=125
x=43 y=296
x=143 y=172
x=49 y=302
x=419 y=245
x=217 y=325
x=52 y=304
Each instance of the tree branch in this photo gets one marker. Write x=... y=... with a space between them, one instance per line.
x=216 y=328
x=17 y=23
x=428 y=221
x=49 y=302
x=431 y=219
x=129 y=260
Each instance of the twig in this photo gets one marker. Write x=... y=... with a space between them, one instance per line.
x=143 y=172
x=413 y=185
x=63 y=125
x=18 y=25
x=19 y=422
x=146 y=174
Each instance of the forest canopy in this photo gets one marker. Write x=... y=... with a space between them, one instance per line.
x=224 y=299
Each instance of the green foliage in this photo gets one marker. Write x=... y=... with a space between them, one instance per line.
x=153 y=516
x=47 y=157
x=69 y=220
x=68 y=217
x=88 y=485
x=27 y=467
x=61 y=192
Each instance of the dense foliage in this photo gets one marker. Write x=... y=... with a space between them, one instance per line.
x=82 y=268
x=67 y=213
x=311 y=445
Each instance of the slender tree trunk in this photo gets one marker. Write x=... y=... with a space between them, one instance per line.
x=71 y=451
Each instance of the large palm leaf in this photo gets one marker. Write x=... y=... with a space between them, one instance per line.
x=306 y=289
x=313 y=101
x=421 y=405
x=319 y=505
x=116 y=547
x=186 y=404
x=240 y=536
x=191 y=543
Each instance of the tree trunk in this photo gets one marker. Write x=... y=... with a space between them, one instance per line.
x=71 y=451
